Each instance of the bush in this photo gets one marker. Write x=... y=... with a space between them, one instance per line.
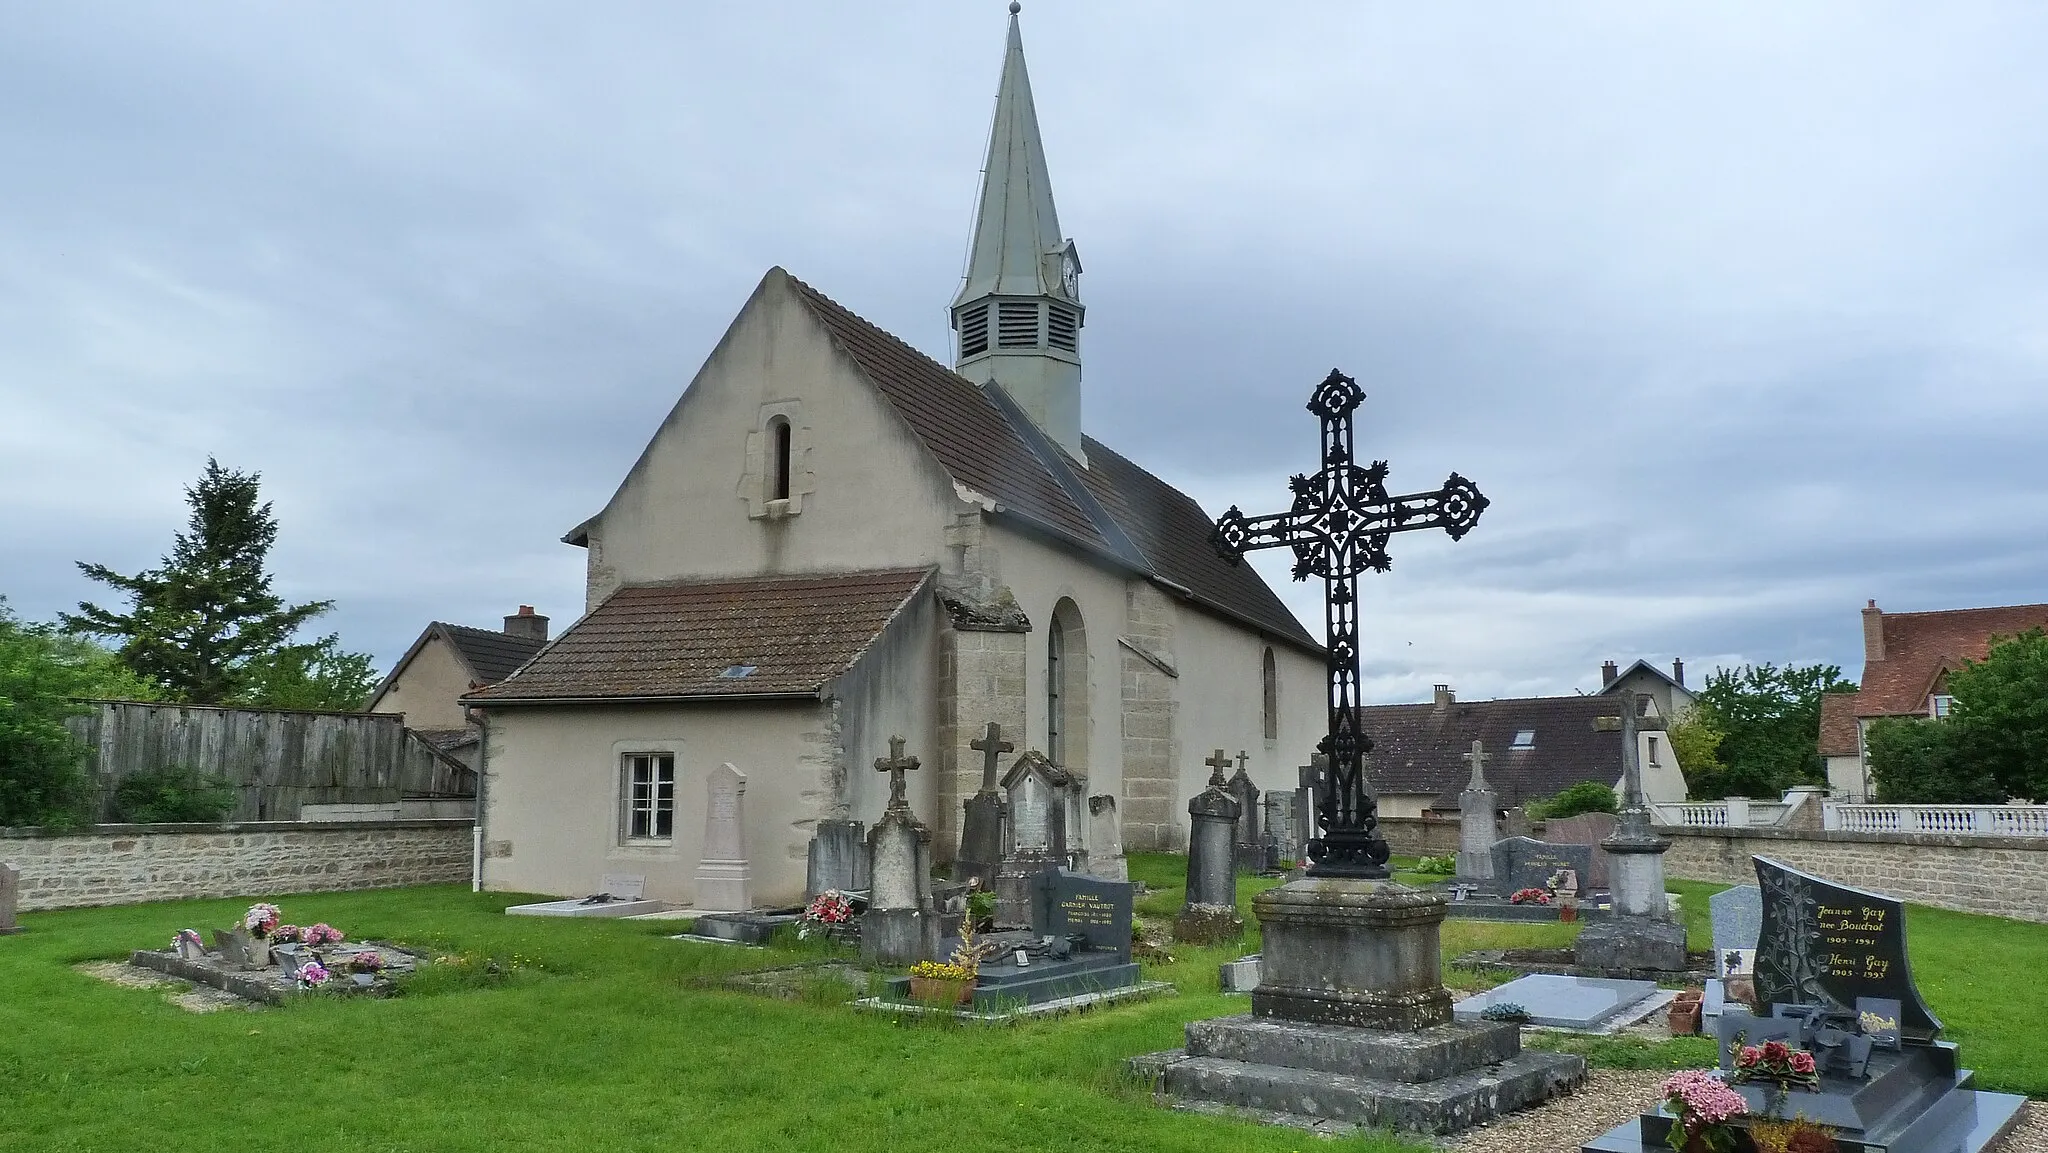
x=1919 y=761
x=172 y=795
x=1584 y=797
x=1442 y=866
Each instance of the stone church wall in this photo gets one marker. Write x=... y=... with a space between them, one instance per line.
x=1150 y=804
x=129 y=864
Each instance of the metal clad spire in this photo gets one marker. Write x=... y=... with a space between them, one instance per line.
x=1016 y=227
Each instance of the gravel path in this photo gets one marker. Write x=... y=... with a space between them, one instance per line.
x=1611 y=1096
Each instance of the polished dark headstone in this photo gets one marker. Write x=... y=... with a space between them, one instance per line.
x=1095 y=910
x=1525 y=863
x=1827 y=944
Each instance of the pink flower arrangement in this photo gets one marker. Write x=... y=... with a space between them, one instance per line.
x=287 y=935
x=828 y=908
x=1704 y=1106
x=1776 y=1061
x=321 y=934
x=1531 y=896
x=185 y=935
x=367 y=961
x=260 y=919
x=313 y=974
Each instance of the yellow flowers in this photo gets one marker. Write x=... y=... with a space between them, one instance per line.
x=941 y=971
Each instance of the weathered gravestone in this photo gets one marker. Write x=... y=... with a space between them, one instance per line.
x=1209 y=913
x=1279 y=843
x=981 y=829
x=1585 y=829
x=723 y=873
x=1525 y=863
x=1738 y=918
x=10 y=897
x=1249 y=850
x=838 y=858
x=1307 y=778
x=900 y=926
x=1477 y=829
x=1037 y=836
x=1106 y=840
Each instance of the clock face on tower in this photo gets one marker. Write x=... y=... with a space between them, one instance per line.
x=1070 y=277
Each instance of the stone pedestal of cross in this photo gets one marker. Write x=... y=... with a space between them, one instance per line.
x=1641 y=934
x=1477 y=810
x=981 y=829
x=1338 y=527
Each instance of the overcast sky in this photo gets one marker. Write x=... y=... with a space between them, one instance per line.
x=1738 y=313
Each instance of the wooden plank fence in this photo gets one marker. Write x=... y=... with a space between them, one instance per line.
x=277 y=760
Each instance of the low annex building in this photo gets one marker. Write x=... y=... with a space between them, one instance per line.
x=1536 y=748
x=1907 y=658
x=427 y=683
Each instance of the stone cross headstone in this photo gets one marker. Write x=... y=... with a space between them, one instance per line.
x=1820 y=943
x=900 y=927
x=1210 y=911
x=981 y=832
x=1106 y=840
x=838 y=858
x=724 y=876
x=10 y=897
x=1477 y=808
x=1250 y=851
x=1037 y=836
x=1279 y=822
x=1635 y=872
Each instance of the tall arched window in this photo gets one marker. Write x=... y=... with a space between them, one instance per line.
x=1269 y=696
x=1055 y=694
x=778 y=475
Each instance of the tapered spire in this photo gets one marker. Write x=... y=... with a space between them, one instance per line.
x=1018 y=312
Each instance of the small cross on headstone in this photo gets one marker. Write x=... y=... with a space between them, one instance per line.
x=989 y=745
x=895 y=764
x=1242 y=757
x=1477 y=758
x=1217 y=762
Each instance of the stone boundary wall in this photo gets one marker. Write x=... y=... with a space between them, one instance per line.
x=129 y=864
x=1421 y=836
x=2002 y=876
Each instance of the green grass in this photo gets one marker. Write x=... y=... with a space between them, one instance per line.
x=615 y=1041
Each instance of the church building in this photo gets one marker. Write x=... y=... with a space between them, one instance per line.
x=834 y=539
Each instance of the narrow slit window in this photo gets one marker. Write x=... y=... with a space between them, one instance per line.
x=778 y=477
x=1269 y=684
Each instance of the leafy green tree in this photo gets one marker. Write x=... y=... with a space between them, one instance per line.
x=195 y=623
x=42 y=675
x=309 y=676
x=1919 y=761
x=1697 y=745
x=1769 y=721
x=2001 y=714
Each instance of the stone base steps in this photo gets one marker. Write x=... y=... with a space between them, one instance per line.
x=1445 y=1105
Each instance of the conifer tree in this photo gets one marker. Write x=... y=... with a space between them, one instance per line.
x=195 y=623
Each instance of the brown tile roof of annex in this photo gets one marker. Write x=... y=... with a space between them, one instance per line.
x=975 y=442
x=1838 y=735
x=1919 y=646
x=492 y=655
x=674 y=641
x=1420 y=748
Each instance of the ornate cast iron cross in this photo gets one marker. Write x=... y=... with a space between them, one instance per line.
x=1338 y=528
x=895 y=764
x=989 y=744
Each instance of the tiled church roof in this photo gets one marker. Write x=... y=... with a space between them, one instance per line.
x=976 y=442
x=677 y=641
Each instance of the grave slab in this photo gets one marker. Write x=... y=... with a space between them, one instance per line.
x=617 y=895
x=1581 y=1003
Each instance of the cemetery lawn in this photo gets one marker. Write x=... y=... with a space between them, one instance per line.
x=611 y=1037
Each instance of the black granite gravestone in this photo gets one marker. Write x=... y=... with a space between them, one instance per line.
x=1828 y=944
x=1526 y=863
x=1092 y=908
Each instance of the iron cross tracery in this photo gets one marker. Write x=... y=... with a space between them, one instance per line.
x=1338 y=527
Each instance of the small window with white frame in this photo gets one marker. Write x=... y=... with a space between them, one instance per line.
x=1940 y=705
x=650 y=780
x=1525 y=739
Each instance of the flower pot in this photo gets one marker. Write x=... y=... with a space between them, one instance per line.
x=1568 y=913
x=1684 y=1018
x=939 y=991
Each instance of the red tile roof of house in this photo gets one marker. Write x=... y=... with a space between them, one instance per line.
x=677 y=641
x=1920 y=647
x=1838 y=736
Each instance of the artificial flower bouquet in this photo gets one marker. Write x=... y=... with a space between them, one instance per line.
x=1530 y=896
x=260 y=920
x=827 y=909
x=1777 y=1062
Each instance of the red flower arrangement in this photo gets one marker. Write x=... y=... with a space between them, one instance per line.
x=1778 y=1062
x=1531 y=897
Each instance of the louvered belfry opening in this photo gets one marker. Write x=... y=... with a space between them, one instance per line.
x=974 y=331
x=1062 y=327
x=1017 y=324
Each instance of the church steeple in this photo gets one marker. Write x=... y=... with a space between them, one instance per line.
x=1018 y=315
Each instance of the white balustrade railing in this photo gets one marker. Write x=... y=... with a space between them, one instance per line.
x=1969 y=820
x=1737 y=814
